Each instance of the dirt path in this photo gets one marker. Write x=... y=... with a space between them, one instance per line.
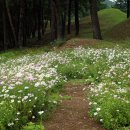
x=72 y=114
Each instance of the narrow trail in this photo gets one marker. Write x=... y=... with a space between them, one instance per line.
x=72 y=114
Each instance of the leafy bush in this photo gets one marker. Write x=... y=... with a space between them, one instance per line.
x=32 y=126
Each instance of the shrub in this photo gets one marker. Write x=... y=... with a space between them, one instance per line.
x=32 y=126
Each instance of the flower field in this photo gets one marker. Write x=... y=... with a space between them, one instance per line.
x=28 y=88
x=30 y=85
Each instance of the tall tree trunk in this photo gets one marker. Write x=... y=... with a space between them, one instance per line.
x=76 y=2
x=44 y=26
x=25 y=24
x=4 y=27
x=58 y=18
x=63 y=17
x=35 y=19
x=63 y=24
x=21 y=21
x=95 y=20
x=53 y=21
x=45 y=19
x=11 y=23
x=69 y=16
x=39 y=19
x=128 y=8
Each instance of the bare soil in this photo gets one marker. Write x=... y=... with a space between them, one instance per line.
x=72 y=114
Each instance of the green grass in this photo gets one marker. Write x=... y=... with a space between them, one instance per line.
x=120 y=32
x=109 y=44
x=15 y=53
x=106 y=68
x=77 y=81
x=108 y=19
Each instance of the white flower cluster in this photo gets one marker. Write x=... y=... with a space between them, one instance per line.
x=26 y=80
x=108 y=71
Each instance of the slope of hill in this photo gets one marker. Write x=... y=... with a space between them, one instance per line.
x=120 y=31
x=108 y=19
x=111 y=17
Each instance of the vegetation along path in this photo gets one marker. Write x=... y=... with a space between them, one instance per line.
x=72 y=114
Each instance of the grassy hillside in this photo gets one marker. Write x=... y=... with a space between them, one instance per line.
x=108 y=19
x=120 y=31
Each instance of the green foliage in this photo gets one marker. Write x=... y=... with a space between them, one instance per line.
x=33 y=98
x=113 y=113
x=121 y=4
x=7 y=114
x=15 y=115
x=102 y=5
x=108 y=72
x=124 y=128
x=32 y=126
x=30 y=95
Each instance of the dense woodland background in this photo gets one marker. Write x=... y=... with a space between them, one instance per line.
x=24 y=21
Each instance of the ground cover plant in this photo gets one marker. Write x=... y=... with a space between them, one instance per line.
x=108 y=73
x=30 y=85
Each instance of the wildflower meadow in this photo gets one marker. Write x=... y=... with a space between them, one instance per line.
x=30 y=86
